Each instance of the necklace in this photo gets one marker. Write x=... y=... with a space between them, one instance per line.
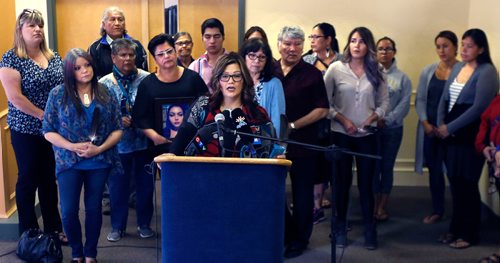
x=86 y=99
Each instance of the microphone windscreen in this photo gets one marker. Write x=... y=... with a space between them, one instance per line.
x=241 y=125
x=184 y=135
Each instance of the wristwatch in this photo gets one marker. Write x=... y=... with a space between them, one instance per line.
x=292 y=125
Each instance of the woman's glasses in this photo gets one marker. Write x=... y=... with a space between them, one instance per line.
x=166 y=52
x=387 y=49
x=315 y=37
x=226 y=77
x=253 y=56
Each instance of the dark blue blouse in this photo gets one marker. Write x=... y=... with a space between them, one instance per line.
x=36 y=84
x=62 y=118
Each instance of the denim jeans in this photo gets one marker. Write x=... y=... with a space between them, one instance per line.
x=119 y=190
x=70 y=186
x=36 y=171
x=389 y=141
x=434 y=160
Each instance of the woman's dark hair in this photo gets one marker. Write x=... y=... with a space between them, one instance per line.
x=247 y=92
x=158 y=40
x=254 y=45
x=388 y=39
x=448 y=35
x=170 y=125
x=329 y=31
x=479 y=37
x=254 y=29
x=70 y=89
x=372 y=68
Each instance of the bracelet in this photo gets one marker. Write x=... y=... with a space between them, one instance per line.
x=292 y=125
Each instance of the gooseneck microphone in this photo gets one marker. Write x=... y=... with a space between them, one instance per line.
x=219 y=120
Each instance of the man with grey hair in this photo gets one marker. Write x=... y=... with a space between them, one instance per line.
x=113 y=27
x=306 y=104
x=124 y=82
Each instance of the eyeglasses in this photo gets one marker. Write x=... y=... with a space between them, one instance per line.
x=164 y=53
x=315 y=37
x=253 y=56
x=226 y=77
x=183 y=43
x=387 y=49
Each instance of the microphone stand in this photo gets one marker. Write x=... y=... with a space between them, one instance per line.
x=331 y=148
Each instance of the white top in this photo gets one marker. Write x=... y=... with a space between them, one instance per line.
x=354 y=97
x=455 y=89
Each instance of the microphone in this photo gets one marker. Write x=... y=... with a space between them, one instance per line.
x=200 y=141
x=241 y=125
x=219 y=120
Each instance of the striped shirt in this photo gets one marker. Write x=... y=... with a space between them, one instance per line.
x=455 y=89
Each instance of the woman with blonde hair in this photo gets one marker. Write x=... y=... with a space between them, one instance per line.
x=28 y=72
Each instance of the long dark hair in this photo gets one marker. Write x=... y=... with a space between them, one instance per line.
x=329 y=31
x=479 y=37
x=254 y=29
x=70 y=89
x=372 y=68
x=254 y=45
x=247 y=93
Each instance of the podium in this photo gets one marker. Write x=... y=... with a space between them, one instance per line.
x=222 y=209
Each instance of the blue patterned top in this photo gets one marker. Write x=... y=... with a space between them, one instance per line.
x=133 y=138
x=36 y=84
x=63 y=119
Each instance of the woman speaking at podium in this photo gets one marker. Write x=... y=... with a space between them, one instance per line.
x=234 y=96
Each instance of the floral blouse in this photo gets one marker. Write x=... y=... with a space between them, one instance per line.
x=36 y=84
x=62 y=118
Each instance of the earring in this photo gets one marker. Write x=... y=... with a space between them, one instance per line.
x=327 y=52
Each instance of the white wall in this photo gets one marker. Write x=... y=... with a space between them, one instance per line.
x=40 y=5
x=412 y=24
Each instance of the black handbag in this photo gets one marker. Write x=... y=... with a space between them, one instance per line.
x=37 y=246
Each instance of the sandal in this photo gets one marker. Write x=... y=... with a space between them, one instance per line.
x=460 y=244
x=326 y=204
x=432 y=219
x=446 y=238
x=494 y=258
x=382 y=217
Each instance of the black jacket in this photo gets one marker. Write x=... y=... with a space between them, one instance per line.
x=100 y=51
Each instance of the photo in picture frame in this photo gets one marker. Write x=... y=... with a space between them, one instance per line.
x=169 y=115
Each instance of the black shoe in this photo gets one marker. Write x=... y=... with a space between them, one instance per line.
x=341 y=240
x=294 y=250
x=371 y=240
x=318 y=216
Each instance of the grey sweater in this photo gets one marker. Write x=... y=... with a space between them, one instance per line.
x=479 y=91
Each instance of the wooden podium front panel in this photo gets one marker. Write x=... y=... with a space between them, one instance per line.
x=223 y=212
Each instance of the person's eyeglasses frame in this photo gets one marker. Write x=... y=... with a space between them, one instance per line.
x=236 y=77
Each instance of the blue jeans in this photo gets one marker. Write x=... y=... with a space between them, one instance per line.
x=70 y=186
x=36 y=172
x=119 y=190
x=389 y=141
x=434 y=160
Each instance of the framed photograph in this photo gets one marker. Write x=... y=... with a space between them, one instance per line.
x=169 y=115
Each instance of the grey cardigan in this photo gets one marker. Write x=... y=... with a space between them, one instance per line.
x=479 y=91
x=421 y=109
